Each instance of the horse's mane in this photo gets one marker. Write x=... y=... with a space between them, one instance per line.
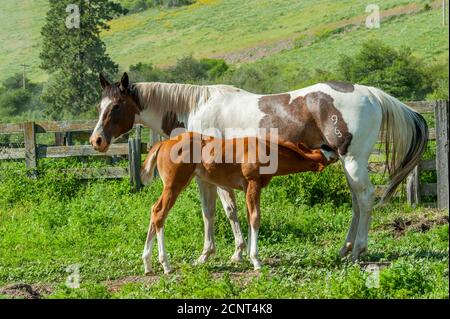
x=173 y=97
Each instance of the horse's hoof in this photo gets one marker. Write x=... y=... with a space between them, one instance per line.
x=358 y=251
x=148 y=273
x=201 y=260
x=346 y=249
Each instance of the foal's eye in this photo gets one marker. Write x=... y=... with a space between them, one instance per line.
x=115 y=107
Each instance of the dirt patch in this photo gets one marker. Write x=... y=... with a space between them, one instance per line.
x=26 y=291
x=117 y=284
x=421 y=223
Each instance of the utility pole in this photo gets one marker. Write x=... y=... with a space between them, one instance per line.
x=24 y=75
x=443 y=13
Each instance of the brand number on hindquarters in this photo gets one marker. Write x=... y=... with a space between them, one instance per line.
x=335 y=121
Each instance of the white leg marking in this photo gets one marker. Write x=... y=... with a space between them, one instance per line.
x=162 y=251
x=147 y=254
x=254 y=249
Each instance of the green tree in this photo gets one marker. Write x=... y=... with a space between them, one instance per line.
x=397 y=72
x=74 y=54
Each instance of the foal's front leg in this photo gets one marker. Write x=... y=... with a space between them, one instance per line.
x=253 y=195
x=158 y=216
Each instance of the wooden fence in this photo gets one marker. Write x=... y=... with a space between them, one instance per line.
x=32 y=152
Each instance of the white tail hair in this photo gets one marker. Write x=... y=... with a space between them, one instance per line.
x=405 y=134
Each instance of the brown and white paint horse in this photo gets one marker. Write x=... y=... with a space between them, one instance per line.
x=231 y=164
x=340 y=117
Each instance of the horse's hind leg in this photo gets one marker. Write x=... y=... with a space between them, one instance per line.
x=363 y=190
x=228 y=200
x=208 y=198
x=351 y=235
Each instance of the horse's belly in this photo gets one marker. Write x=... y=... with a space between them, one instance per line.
x=230 y=178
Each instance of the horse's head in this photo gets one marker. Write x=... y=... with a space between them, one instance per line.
x=117 y=111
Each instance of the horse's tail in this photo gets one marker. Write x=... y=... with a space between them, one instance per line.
x=405 y=134
x=147 y=170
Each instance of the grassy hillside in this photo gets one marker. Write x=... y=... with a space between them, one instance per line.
x=422 y=32
x=21 y=22
x=219 y=28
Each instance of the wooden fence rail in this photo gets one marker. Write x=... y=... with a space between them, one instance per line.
x=32 y=152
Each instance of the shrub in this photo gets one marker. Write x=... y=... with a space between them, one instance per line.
x=187 y=70
x=397 y=72
x=329 y=186
x=266 y=78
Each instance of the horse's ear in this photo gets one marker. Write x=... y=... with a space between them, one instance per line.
x=103 y=81
x=124 y=82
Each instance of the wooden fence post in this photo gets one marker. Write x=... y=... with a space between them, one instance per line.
x=134 y=160
x=441 y=112
x=153 y=139
x=30 y=147
x=413 y=187
x=59 y=139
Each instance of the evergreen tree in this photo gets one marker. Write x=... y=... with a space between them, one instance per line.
x=74 y=54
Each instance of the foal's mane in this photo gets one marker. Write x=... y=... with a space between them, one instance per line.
x=174 y=97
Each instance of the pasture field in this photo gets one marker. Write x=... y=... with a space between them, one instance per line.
x=55 y=221
x=235 y=30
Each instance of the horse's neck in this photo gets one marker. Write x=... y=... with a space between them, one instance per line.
x=157 y=99
x=150 y=119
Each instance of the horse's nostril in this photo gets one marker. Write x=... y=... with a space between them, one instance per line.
x=98 y=141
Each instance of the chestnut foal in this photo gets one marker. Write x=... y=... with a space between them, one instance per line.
x=228 y=163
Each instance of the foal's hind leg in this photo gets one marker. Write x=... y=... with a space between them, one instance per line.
x=253 y=194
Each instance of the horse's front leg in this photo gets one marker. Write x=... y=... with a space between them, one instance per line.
x=208 y=199
x=229 y=204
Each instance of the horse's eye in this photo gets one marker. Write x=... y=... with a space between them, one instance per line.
x=115 y=107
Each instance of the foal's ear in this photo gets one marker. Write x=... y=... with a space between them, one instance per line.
x=124 y=82
x=103 y=81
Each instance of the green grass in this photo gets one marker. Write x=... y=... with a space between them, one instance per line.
x=53 y=222
x=214 y=28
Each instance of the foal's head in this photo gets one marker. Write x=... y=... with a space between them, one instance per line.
x=117 y=111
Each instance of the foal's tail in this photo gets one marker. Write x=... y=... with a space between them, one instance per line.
x=405 y=134
x=147 y=170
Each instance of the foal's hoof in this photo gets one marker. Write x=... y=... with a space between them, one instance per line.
x=346 y=249
x=257 y=267
x=167 y=271
x=149 y=273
